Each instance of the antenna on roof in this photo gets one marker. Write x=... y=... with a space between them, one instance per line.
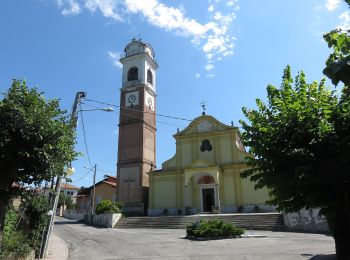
x=140 y=37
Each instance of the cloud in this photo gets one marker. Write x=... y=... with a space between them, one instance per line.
x=69 y=7
x=210 y=75
x=317 y=7
x=209 y=67
x=213 y=38
x=114 y=56
x=331 y=5
x=169 y=18
x=197 y=75
x=108 y=8
x=345 y=20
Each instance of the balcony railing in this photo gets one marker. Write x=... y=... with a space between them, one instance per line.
x=131 y=53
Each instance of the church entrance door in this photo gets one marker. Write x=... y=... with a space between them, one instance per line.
x=208 y=199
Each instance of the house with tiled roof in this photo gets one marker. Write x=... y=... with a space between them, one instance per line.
x=70 y=190
x=104 y=190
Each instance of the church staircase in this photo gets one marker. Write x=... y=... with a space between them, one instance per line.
x=256 y=221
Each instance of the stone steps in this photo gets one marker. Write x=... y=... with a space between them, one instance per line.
x=257 y=221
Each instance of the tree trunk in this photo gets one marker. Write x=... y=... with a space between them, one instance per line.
x=342 y=229
x=5 y=194
x=4 y=202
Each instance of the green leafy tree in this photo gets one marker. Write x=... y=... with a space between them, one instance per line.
x=338 y=70
x=66 y=200
x=36 y=141
x=338 y=62
x=300 y=140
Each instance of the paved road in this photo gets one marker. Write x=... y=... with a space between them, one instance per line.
x=86 y=242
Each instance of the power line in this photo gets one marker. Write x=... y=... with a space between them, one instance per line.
x=128 y=108
x=138 y=117
x=160 y=122
x=84 y=135
x=83 y=176
x=104 y=171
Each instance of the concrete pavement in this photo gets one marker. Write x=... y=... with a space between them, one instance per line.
x=58 y=248
x=86 y=242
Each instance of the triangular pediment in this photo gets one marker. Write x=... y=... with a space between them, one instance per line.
x=204 y=124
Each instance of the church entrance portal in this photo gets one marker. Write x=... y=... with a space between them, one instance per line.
x=208 y=199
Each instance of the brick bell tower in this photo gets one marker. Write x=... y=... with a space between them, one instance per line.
x=137 y=126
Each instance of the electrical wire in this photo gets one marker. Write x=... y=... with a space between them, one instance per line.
x=160 y=122
x=84 y=135
x=131 y=109
x=104 y=171
x=82 y=176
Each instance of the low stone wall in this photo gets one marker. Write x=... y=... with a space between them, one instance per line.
x=306 y=220
x=108 y=220
x=73 y=216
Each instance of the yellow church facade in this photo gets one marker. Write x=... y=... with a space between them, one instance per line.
x=204 y=173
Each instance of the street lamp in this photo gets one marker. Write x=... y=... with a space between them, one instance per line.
x=69 y=170
x=106 y=109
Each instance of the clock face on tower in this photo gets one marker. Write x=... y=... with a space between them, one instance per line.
x=149 y=101
x=132 y=99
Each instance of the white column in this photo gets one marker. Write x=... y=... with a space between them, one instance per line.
x=218 y=195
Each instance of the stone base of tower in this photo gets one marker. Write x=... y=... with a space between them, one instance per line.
x=133 y=209
x=137 y=208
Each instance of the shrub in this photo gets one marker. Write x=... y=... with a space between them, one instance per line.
x=11 y=219
x=213 y=229
x=18 y=243
x=37 y=209
x=119 y=205
x=15 y=246
x=165 y=212
x=240 y=208
x=107 y=206
x=188 y=210
x=14 y=243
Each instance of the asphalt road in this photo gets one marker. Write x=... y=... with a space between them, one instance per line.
x=87 y=242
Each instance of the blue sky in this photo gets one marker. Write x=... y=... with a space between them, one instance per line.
x=223 y=52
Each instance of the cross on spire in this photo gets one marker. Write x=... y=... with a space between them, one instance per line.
x=203 y=104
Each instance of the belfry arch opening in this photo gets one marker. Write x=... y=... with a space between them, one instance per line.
x=133 y=74
x=149 y=76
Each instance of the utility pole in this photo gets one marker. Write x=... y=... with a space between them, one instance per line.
x=93 y=191
x=73 y=122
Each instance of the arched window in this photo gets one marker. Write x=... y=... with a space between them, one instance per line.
x=149 y=76
x=206 y=146
x=133 y=74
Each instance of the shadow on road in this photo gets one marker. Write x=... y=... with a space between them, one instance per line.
x=63 y=222
x=322 y=257
x=72 y=222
